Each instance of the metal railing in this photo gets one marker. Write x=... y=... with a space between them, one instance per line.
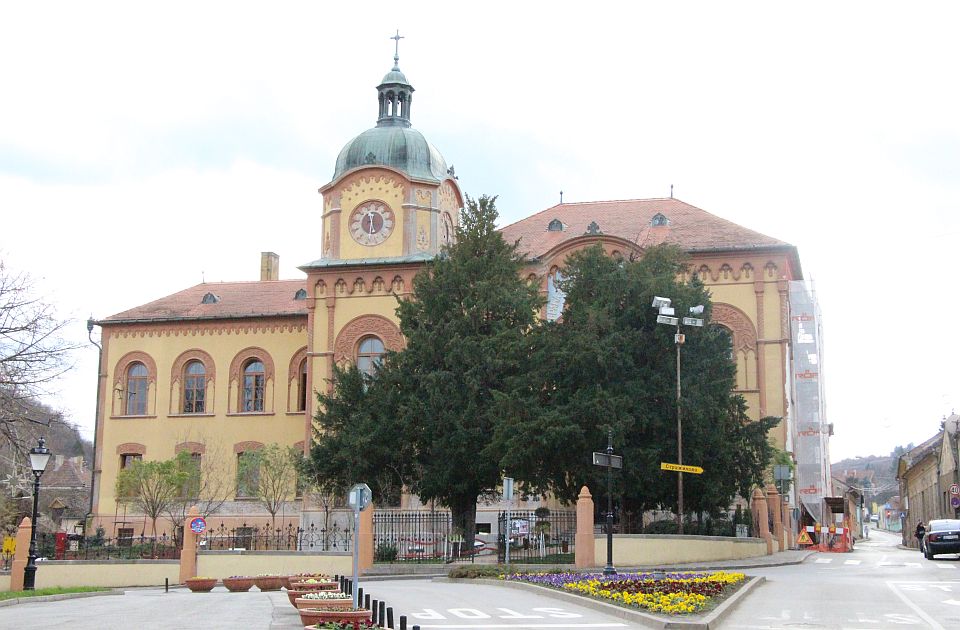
x=417 y=536
x=538 y=536
x=76 y=547
x=266 y=538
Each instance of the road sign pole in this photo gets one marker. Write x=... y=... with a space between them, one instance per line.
x=609 y=569
x=679 y=443
x=356 y=557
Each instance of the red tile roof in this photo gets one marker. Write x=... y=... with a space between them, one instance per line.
x=265 y=298
x=689 y=227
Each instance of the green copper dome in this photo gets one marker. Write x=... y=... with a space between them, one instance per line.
x=402 y=148
x=393 y=142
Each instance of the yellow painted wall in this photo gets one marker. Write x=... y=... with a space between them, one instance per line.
x=107 y=573
x=4 y=583
x=161 y=431
x=649 y=550
x=222 y=564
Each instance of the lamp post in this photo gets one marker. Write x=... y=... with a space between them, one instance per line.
x=666 y=316
x=96 y=424
x=39 y=456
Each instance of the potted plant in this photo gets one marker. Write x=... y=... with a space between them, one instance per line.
x=201 y=584
x=337 y=625
x=323 y=599
x=315 y=584
x=294 y=593
x=347 y=616
x=238 y=583
x=286 y=580
x=268 y=582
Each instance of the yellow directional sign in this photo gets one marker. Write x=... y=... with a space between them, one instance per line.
x=696 y=470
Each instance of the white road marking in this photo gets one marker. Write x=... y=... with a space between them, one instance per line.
x=912 y=564
x=823 y=560
x=946 y=566
x=916 y=609
x=845 y=561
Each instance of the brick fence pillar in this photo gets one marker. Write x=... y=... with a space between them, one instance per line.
x=758 y=505
x=20 y=556
x=773 y=506
x=366 y=539
x=188 y=555
x=585 y=548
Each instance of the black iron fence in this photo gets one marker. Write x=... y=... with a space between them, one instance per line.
x=62 y=546
x=418 y=537
x=267 y=538
x=538 y=536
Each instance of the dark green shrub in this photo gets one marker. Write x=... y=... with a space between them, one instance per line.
x=385 y=553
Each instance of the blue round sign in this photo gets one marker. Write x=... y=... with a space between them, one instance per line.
x=198 y=525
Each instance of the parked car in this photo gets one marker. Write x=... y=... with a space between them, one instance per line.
x=943 y=536
x=874 y=518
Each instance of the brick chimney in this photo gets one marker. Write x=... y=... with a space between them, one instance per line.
x=269 y=266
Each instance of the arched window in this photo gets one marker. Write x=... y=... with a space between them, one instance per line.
x=194 y=387
x=254 y=380
x=302 y=392
x=138 y=383
x=369 y=352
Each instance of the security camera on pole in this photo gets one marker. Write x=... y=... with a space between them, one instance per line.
x=359 y=499
x=665 y=315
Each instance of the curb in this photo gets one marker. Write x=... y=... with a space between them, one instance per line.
x=57 y=598
x=707 y=622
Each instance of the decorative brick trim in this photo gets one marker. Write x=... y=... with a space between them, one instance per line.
x=346 y=345
x=296 y=323
x=293 y=379
x=249 y=445
x=131 y=448
x=731 y=317
x=120 y=371
x=194 y=354
x=190 y=447
x=253 y=352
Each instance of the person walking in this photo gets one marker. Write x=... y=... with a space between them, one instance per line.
x=919 y=532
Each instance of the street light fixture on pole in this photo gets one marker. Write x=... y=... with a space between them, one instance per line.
x=39 y=456
x=666 y=316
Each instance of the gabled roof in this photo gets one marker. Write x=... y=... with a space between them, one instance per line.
x=689 y=227
x=227 y=300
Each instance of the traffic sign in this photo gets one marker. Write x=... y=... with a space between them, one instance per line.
x=954 y=501
x=359 y=497
x=804 y=539
x=602 y=459
x=955 y=489
x=508 y=488
x=696 y=470
x=198 y=525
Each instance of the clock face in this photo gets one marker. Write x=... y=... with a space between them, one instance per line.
x=447 y=232
x=371 y=223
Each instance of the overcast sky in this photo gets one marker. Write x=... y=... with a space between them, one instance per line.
x=144 y=148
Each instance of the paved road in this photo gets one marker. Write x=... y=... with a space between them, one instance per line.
x=878 y=585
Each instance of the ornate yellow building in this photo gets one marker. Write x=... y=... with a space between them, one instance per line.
x=228 y=367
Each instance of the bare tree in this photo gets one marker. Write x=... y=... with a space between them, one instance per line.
x=207 y=486
x=33 y=353
x=151 y=486
x=270 y=474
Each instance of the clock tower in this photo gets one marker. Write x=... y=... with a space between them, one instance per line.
x=392 y=195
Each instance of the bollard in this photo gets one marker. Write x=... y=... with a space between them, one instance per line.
x=360 y=596
x=366 y=602
x=373 y=612
x=380 y=616
x=166 y=585
x=416 y=628
x=403 y=622
x=390 y=617
x=349 y=587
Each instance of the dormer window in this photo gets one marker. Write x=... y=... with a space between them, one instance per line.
x=659 y=220
x=301 y=294
x=210 y=298
x=555 y=226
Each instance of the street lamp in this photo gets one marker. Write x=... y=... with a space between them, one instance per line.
x=39 y=456
x=665 y=315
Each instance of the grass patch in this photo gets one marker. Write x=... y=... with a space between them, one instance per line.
x=51 y=591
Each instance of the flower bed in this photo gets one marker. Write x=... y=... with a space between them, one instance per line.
x=676 y=593
x=348 y=617
x=337 y=625
x=286 y=580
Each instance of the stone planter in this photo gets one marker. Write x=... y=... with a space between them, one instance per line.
x=268 y=582
x=201 y=585
x=313 y=616
x=336 y=604
x=238 y=584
